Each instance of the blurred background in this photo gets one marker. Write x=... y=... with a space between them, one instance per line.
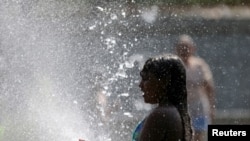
x=70 y=69
x=221 y=32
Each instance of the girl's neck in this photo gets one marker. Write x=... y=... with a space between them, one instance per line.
x=163 y=102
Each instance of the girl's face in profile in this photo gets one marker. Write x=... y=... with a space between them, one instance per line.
x=151 y=87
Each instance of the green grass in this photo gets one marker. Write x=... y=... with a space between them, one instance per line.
x=1 y=132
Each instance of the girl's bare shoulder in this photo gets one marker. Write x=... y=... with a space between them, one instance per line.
x=165 y=113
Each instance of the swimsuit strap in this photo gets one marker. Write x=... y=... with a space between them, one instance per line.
x=137 y=131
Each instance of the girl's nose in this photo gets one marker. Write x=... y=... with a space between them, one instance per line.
x=140 y=84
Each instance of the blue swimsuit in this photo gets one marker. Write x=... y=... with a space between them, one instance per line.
x=137 y=131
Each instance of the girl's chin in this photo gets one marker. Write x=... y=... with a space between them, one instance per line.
x=149 y=101
x=146 y=100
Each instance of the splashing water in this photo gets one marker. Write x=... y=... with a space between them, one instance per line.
x=54 y=56
x=150 y=15
x=34 y=103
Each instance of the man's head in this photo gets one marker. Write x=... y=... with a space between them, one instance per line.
x=185 y=47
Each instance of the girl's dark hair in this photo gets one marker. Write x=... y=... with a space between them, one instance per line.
x=171 y=68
